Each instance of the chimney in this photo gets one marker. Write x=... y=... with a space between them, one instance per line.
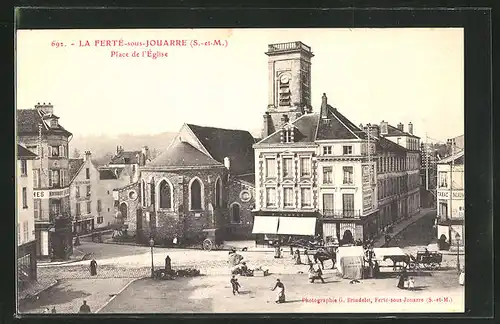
x=374 y=130
x=145 y=151
x=227 y=162
x=45 y=108
x=265 y=129
x=87 y=156
x=410 y=128
x=401 y=127
x=384 y=128
x=324 y=103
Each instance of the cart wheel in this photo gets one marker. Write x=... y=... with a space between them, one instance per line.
x=207 y=245
x=412 y=266
x=434 y=266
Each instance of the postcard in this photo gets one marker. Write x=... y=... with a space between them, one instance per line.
x=240 y=171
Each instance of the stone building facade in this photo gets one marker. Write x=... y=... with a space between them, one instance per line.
x=187 y=188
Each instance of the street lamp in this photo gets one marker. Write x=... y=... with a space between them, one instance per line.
x=457 y=237
x=152 y=244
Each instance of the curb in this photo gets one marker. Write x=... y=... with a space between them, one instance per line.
x=118 y=293
x=57 y=281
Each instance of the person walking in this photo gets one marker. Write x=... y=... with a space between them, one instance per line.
x=84 y=308
x=93 y=267
x=315 y=273
x=235 y=285
x=280 y=296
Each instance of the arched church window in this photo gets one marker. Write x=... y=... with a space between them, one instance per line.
x=165 y=195
x=195 y=195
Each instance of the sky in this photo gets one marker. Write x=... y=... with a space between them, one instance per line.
x=397 y=75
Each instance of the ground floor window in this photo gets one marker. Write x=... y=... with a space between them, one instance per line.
x=100 y=220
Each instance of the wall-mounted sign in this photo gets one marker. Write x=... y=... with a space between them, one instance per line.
x=446 y=194
x=82 y=182
x=54 y=193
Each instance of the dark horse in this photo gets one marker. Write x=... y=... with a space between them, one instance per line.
x=322 y=255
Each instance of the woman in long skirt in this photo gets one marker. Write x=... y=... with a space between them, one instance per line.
x=280 y=296
x=402 y=279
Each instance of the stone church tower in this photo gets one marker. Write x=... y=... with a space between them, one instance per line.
x=289 y=67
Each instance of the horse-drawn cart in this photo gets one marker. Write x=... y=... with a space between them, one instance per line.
x=212 y=239
x=428 y=260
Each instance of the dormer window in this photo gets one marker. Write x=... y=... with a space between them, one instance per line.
x=327 y=150
x=347 y=150
x=287 y=135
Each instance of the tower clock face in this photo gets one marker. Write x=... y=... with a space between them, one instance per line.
x=284 y=79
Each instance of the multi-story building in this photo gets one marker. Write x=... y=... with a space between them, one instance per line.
x=428 y=174
x=85 y=203
x=318 y=173
x=130 y=160
x=26 y=243
x=450 y=197
x=109 y=180
x=201 y=181
x=39 y=131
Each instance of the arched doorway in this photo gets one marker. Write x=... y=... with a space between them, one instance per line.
x=235 y=213
x=347 y=238
x=123 y=211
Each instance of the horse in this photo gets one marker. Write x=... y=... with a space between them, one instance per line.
x=322 y=256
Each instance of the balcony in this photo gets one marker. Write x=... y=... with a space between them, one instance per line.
x=281 y=47
x=341 y=214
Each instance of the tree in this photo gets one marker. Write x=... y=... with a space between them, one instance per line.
x=76 y=153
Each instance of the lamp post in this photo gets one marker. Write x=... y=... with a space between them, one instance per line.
x=152 y=243
x=457 y=237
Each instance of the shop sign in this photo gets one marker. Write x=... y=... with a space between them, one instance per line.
x=446 y=194
x=46 y=194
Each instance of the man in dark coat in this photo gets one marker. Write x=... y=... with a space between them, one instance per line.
x=93 y=267
x=280 y=296
x=402 y=279
x=85 y=308
x=235 y=285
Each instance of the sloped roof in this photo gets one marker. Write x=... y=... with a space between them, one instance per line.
x=338 y=127
x=249 y=178
x=304 y=132
x=24 y=153
x=182 y=154
x=28 y=121
x=74 y=166
x=125 y=157
x=387 y=145
x=454 y=157
x=107 y=174
x=232 y=143
x=394 y=131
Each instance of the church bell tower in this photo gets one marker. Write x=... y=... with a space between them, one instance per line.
x=289 y=68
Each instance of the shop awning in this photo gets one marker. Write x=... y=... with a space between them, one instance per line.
x=297 y=226
x=265 y=225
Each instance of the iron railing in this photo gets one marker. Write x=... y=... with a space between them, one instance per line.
x=288 y=46
x=341 y=213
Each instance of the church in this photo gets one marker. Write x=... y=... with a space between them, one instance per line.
x=203 y=180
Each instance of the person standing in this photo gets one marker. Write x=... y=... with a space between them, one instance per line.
x=53 y=310
x=84 y=308
x=175 y=240
x=235 y=285
x=315 y=273
x=461 y=277
x=402 y=279
x=280 y=296
x=297 y=257
x=93 y=267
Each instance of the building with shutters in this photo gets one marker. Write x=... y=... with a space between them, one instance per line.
x=317 y=173
x=25 y=216
x=84 y=185
x=130 y=160
x=203 y=180
x=40 y=132
x=110 y=178
x=451 y=197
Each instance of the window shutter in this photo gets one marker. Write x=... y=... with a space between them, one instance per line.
x=50 y=178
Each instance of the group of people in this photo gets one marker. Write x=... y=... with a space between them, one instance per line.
x=84 y=309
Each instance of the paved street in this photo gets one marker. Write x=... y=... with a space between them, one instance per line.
x=213 y=294
x=119 y=264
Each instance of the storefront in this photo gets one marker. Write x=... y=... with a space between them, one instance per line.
x=269 y=229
